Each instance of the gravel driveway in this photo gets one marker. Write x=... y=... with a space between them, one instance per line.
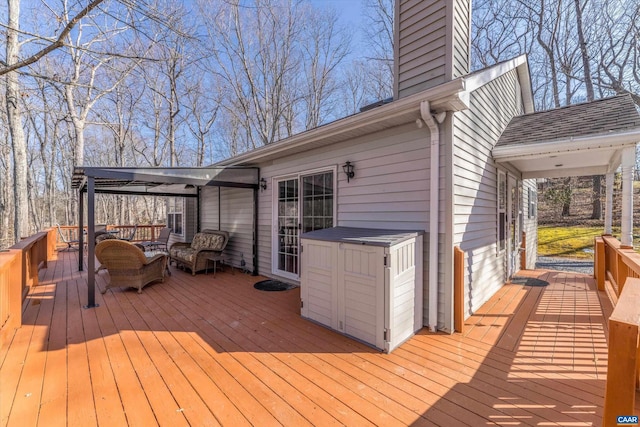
x=565 y=264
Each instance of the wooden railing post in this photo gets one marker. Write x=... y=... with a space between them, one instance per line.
x=458 y=289
x=599 y=263
x=623 y=353
x=10 y=293
x=623 y=273
x=52 y=241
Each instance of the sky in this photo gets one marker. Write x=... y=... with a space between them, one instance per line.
x=350 y=12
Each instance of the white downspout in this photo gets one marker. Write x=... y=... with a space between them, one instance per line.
x=434 y=207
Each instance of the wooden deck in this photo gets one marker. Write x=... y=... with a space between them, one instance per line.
x=211 y=350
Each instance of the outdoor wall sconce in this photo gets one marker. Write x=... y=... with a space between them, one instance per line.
x=348 y=170
x=263 y=184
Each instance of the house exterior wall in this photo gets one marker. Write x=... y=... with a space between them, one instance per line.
x=390 y=189
x=234 y=216
x=475 y=229
x=432 y=43
x=461 y=39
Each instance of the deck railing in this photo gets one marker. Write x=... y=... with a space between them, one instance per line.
x=143 y=233
x=614 y=262
x=621 y=267
x=19 y=266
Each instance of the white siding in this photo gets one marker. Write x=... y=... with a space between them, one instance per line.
x=420 y=52
x=234 y=216
x=460 y=64
x=390 y=189
x=475 y=220
x=432 y=43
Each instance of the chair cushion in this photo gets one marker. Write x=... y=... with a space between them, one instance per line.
x=104 y=236
x=207 y=241
x=183 y=253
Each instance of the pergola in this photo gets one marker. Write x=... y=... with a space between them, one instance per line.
x=593 y=138
x=151 y=181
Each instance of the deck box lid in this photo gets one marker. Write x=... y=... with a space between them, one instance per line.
x=362 y=236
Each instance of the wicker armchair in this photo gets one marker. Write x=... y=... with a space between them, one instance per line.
x=194 y=255
x=128 y=265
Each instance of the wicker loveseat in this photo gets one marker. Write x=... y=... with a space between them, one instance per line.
x=204 y=244
x=128 y=265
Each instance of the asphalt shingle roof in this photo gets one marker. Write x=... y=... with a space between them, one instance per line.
x=600 y=117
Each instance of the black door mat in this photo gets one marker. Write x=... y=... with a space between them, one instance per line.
x=273 y=285
x=528 y=281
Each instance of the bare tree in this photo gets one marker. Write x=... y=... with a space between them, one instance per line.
x=256 y=54
x=58 y=42
x=325 y=46
x=14 y=121
x=203 y=104
x=378 y=38
x=6 y=182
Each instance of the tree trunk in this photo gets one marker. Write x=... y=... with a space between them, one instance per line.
x=596 y=196
x=14 y=117
x=566 y=205
x=596 y=213
x=5 y=194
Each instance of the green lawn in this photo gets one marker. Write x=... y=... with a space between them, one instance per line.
x=567 y=241
x=572 y=242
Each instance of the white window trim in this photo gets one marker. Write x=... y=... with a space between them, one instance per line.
x=274 y=212
x=501 y=175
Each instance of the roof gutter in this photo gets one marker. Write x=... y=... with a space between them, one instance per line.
x=543 y=149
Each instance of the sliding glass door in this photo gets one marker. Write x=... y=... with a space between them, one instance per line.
x=304 y=203
x=287 y=226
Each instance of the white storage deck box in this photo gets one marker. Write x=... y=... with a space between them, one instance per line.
x=365 y=283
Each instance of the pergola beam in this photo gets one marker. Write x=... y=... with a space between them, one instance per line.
x=142 y=181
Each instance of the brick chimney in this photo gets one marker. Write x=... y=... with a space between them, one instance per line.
x=432 y=43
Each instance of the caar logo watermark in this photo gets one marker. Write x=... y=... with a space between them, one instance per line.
x=625 y=420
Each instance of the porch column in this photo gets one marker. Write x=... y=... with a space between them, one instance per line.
x=608 y=212
x=628 y=163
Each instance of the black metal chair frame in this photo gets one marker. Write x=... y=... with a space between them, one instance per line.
x=70 y=242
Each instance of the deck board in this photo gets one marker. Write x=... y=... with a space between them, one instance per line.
x=211 y=350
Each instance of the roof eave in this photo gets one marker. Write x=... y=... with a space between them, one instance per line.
x=520 y=64
x=513 y=152
x=450 y=96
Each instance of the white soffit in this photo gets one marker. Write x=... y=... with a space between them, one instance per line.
x=591 y=155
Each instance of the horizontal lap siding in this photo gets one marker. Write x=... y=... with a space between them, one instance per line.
x=421 y=50
x=236 y=217
x=476 y=131
x=461 y=38
x=390 y=188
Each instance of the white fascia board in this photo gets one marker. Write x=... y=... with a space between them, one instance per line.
x=615 y=162
x=445 y=96
x=565 y=172
x=526 y=87
x=481 y=78
x=543 y=149
x=520 y=64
